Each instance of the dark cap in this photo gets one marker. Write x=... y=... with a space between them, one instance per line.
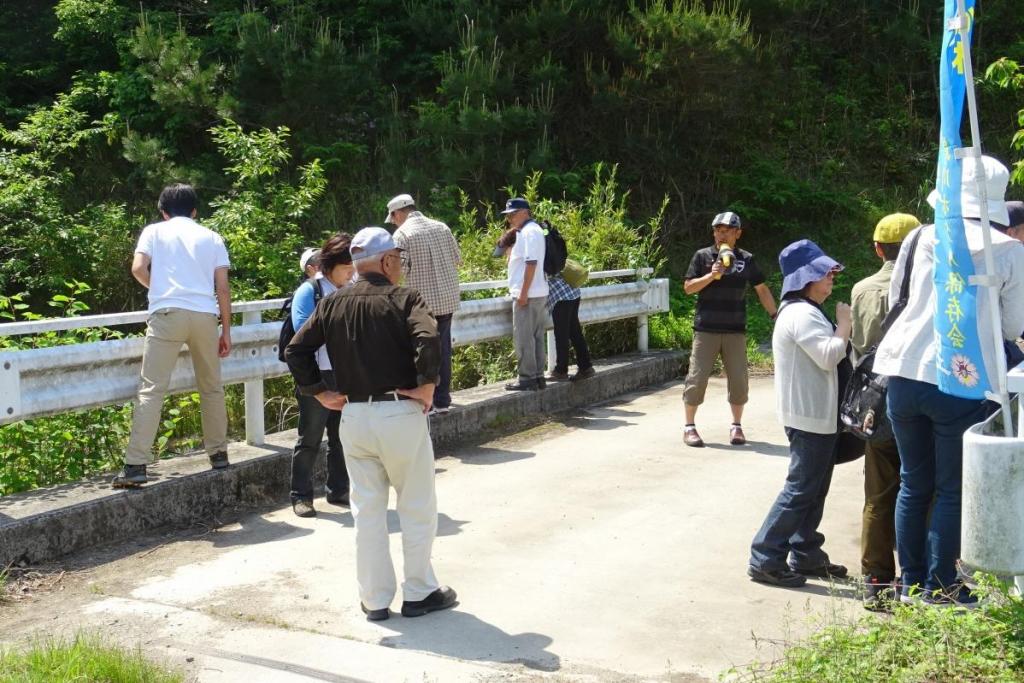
x=1016 y=211
x=515 y=204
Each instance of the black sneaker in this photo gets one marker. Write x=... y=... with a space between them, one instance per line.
x=341 y=499
x=541 y=383
x=303 y=508
x=522 y=385
x=375 y=614
x=219 y=460
x=958 y=596
x=879 y=594
x=583 y=373
x=825 y=571
x=130 y=477
x=781 y=577
x=443 y=598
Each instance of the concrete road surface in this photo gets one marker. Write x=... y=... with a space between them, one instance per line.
x=596 y=547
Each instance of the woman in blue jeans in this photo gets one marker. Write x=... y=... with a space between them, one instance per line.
x=929 y=425
x=808 y=349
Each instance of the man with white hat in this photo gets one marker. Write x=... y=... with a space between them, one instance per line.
x=382 y=341
x=928 y=423
x=430 y=263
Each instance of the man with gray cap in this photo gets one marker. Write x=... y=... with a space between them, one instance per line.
x=528 y=288
x=382 y=342
x=430 y=263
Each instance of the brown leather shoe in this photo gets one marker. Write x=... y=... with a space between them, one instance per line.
x=692 y=438
x=736 y=437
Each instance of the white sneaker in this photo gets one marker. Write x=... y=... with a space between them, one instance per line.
x=439 y=411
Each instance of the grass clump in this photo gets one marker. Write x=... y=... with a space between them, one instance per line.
x=83 y=659
x=916 y=643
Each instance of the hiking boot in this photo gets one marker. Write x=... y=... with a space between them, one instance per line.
x=736 y=436
x=303 y=508
x=879 y=594
x=443 y=598
x=692 y=438
x=583 y=373
x=558 y=376
x=219 y=460
x=375 y=614
x=778 y=577
x=130 y=477
x=825 y=571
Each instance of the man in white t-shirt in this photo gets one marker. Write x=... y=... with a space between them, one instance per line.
x=185 y=268
x=529 y=291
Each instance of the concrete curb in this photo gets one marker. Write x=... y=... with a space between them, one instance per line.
x=43 y=525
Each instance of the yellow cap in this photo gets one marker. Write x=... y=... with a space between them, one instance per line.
x=894 y=228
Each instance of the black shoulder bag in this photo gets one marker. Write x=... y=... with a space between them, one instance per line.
x=862 y=404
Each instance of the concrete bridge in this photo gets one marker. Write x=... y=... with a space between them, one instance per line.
x=589 y=545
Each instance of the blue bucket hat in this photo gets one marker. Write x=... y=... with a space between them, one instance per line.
x=803 y=262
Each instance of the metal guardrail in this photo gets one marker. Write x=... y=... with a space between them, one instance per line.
x=48 y=381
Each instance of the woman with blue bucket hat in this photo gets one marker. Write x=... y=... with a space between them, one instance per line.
x=808 y=348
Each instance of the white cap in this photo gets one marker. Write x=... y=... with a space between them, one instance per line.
x=308 y=254
x=369 y=242
x=399 y=202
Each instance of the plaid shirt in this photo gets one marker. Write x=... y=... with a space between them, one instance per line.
x=431 y=261
x=560 y=290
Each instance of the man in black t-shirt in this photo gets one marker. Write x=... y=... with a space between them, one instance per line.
x=719 y=275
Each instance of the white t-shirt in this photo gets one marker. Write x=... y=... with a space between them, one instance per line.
x=529 y=246
x=184 y=256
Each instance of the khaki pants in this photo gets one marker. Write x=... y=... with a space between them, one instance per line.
x=528 y=337
x=878 y=530
x=386 y=444
x=166 y=331
x=706 y=348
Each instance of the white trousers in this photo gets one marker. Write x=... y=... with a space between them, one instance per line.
x=387 y=443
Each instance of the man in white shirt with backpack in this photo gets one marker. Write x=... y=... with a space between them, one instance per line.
x=185 y=268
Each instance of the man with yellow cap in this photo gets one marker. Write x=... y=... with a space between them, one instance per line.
x=869 y=303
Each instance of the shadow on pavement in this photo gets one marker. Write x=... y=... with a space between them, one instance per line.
x=765 y=448
x=446 y=526
x=479 y=455
x=254 y=529
x=464 y=636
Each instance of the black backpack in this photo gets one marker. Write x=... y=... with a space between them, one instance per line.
x=287 y=329
x=555 y=251
x=862 y=403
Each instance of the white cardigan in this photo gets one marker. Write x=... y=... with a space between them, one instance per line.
x=806 y=380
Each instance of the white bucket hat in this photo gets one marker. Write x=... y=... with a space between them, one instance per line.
x=995 y=176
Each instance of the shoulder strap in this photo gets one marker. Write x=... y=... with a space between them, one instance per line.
x=318 y=290
x=908 y=269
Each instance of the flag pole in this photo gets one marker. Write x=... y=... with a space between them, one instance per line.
x=988 y=280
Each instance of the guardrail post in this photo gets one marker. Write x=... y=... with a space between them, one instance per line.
x=255 y=433
x=552 y=351
x=641 y=333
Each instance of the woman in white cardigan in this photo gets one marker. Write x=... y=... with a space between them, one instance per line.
x=807 y=348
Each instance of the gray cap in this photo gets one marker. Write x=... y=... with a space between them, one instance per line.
x=727 y=218
x=308 y=256
x=369 y=242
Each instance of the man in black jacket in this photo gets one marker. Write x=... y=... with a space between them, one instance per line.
x=385 y=353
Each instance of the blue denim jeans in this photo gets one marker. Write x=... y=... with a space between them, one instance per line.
x=791 y=528
x=929 y=427
x=443 y=390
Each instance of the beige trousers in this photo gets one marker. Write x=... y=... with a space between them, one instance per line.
x=166 y=330
x=386 y=444
x=706 y=348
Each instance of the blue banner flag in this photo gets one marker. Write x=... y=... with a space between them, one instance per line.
x=961 y=371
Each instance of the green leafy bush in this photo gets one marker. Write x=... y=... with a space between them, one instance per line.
x=84 y=658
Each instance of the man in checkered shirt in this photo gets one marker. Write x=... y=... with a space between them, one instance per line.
x=430 y=264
